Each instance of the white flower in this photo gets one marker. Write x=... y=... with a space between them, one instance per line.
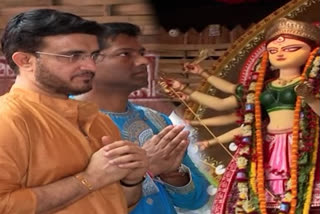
x=242 y=162
x=312 y=74
x=248 y=206
x=244 y=150
x=250 y=98
x=316 y=62
x=212 y=190
x=252 y=86
x=233 y=147
x=243 y=190
x=220 y=169
x=248 y=118
x=246 y=130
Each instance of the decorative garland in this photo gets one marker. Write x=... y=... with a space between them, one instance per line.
x=247 y=148
x=259 y=138
x=250 y=178
x=297 y=126
x=308 y=147
x=307 y=203
x=304 y=146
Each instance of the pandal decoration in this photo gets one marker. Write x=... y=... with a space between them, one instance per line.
x=250 y=177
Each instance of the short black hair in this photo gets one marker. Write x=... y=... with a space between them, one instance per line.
x=25 y=31
x=113 y=29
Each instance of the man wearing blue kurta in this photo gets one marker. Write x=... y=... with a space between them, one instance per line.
x=158 y=196
x=172 y=179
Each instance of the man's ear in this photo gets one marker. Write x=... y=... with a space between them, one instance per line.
x=25 y=61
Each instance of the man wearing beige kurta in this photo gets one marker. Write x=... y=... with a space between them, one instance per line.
x=59 y=155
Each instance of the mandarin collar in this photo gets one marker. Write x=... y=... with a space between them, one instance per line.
x=80 y=112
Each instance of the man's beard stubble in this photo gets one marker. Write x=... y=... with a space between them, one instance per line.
x=51 y=82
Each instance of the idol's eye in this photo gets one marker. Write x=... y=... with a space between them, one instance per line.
x=273 y=50
x=291 y=49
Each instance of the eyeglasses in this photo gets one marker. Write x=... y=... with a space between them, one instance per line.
x=76 y=57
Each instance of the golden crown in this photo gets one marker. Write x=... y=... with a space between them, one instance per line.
x=292 y=27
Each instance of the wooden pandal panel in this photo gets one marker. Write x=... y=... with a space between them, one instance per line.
x=172 y=49
x=187 y=50
x=212 y=34
x=173 y=56
x=84 y=11
x=165 y=37
x=139 y=20
x=6 y=76
x=236 y=32
x=15 y=3
x=176 y=48
x=193 y=37
x=224 y=35
x=89 y=10
x=132 y=9
x=138 y=12
x=209 y=34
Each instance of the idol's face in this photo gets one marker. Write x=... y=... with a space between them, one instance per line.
x=288 y=53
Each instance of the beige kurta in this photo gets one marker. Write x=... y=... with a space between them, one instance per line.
x=44 y=139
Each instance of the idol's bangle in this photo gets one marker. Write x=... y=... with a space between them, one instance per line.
x=239 y=91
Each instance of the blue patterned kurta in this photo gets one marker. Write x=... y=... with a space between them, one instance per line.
x=139 y=124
